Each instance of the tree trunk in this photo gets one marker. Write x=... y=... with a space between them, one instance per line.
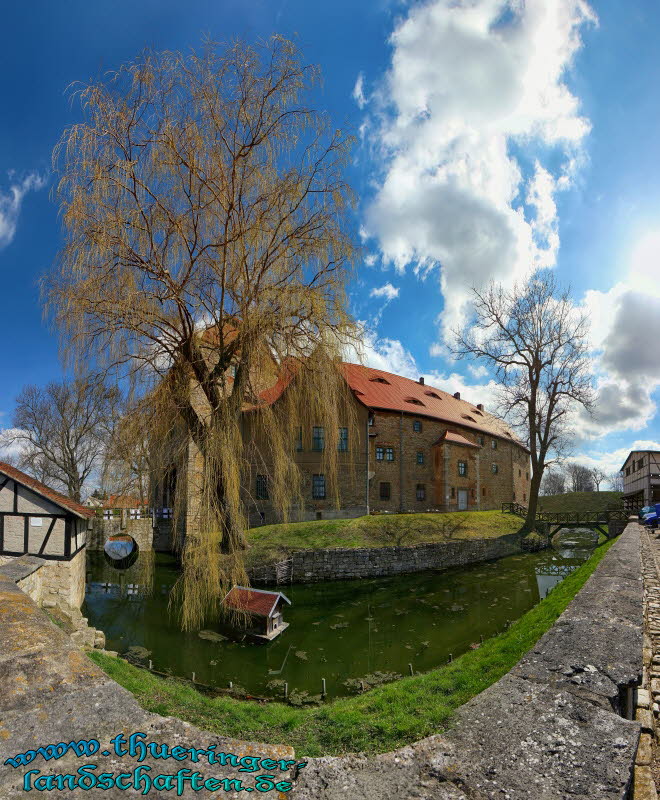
x=530 y=520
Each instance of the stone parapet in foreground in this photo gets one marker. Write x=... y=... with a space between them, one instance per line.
x=551 y=729
x=51 y=692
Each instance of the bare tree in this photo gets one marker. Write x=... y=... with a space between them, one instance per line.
x=615 y=480
x=598 y=476
x=60 y=431
x=204 y=209
x=580 y=477
x=537 y=343
x=554 y=482
x=132 y=460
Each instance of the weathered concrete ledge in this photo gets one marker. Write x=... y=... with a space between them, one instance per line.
x=51 y=692
x=345 y=563
x=20 y=568
x=551 y=729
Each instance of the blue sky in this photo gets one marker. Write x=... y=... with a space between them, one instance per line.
x=492 y=136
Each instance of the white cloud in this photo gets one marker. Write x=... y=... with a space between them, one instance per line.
x=623 y=336
x=358 y=92
x=10 y=205
x=11 y=451
x=613 y=460
x=478 y=370
x=388 y=291
x=390 y=355
x=467 y=82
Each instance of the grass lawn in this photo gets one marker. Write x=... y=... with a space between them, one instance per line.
x=379 y=720
x=578 y=501
x=273 y=542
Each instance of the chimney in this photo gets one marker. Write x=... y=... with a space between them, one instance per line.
x=480 y=406
x=421 y=381
x=457 y=395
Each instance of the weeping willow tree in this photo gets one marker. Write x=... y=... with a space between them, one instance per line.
x=206 y=254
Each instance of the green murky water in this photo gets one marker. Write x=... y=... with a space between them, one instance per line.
x=338 y=630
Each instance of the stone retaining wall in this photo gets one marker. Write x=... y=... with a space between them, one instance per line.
x=50 y=583
x=313 y=566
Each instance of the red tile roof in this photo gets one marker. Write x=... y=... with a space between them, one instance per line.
x=123 y=501
x=456 y=438
x=256 y=601
x=45 y=491
x=377 y=389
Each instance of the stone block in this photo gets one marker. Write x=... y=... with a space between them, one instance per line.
x=643 y=698
x=644 y=786
x=644 y=750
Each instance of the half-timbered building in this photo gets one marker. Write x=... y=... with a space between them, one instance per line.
x=37 y=520
x=641 y=479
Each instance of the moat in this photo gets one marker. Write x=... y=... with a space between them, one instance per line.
x=339 y=630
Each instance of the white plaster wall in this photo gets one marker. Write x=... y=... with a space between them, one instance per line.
x=14 y=534
x=29 y=501
x=7 y=496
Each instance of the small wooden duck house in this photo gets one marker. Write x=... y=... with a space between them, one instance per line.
x=262 y=609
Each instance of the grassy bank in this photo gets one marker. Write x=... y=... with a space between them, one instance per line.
x=273 y=542
x=579 y=501
x=379 y=720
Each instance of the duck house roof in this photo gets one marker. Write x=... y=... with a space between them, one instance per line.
x=254 y=601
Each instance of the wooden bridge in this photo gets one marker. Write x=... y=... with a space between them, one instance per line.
x=571 y=519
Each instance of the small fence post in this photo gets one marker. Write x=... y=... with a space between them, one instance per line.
x=193 y=677
x=286 y=690
x=410 y=667
x=323 y=692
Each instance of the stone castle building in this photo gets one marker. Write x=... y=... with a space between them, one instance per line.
x=417 y=448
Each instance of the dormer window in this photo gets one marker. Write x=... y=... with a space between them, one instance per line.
x=433 y=394
x=467 y=416
x=414 y=401
x=379 y=380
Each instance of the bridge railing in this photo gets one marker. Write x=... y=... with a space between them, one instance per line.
x=514 y=508
x=141 y=512
x=574 y=517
